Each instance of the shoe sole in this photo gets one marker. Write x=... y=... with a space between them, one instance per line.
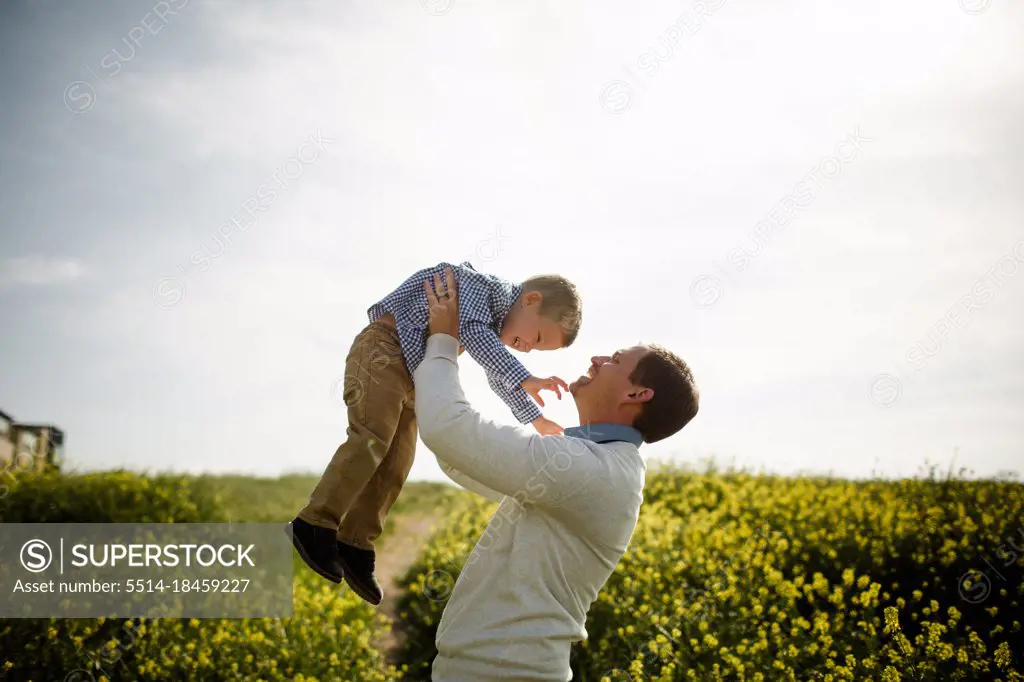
x=357 y=587
x=305 y=557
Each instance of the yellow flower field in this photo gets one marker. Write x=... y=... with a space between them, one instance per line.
x=743 y=577
x=330 y=638
x=729 y=577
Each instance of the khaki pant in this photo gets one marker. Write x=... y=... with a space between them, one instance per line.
x=366 y=474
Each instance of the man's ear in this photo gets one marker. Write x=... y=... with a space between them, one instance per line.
x=639 y=394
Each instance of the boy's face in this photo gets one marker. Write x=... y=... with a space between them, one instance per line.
x=525 y=329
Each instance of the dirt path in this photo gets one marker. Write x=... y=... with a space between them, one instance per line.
x=395 y=556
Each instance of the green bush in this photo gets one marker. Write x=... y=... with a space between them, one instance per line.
x=110 y=497
x=329 y=637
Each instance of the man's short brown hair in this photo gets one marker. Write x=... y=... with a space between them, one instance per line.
x=560 y=303
x=675 y=399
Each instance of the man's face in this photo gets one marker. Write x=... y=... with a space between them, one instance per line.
x=607 y=381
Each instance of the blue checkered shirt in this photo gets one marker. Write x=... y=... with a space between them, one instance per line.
x=484 y=301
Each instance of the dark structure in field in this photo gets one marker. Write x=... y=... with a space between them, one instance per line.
x=26 y=446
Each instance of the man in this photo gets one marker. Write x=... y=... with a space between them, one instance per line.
x=570 y=502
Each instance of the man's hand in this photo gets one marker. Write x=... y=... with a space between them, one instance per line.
x=534 y=385
x=443 y=305
x=546 y=427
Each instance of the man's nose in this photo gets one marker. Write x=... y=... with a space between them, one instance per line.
x=599 y=360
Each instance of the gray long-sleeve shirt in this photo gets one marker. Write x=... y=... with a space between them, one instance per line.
x=569 y=509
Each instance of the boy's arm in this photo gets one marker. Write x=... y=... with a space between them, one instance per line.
x=518 y=400
x=505 y=374
x=508 y=459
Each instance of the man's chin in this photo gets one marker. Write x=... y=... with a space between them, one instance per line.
x=578 y=384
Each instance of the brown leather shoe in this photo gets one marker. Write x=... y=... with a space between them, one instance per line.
x=316 y=546
x=358 y=570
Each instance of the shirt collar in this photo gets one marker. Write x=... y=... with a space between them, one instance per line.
x=606 y=433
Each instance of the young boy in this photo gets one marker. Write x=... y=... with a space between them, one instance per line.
x=334 y=533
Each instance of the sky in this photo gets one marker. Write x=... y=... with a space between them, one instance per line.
x=817 y=205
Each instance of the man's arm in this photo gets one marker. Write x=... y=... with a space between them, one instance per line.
x=468 y=483
x=508 y=459
x=505 y=374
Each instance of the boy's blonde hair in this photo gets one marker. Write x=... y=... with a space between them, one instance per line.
x=560 y=303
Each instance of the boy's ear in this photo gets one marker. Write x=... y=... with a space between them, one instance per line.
x=533 y=297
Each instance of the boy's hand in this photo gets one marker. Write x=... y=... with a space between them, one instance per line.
x=443 y=305
x=546 y=427
x=534 y=385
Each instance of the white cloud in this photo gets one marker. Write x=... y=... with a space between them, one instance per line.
x=39 y=271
